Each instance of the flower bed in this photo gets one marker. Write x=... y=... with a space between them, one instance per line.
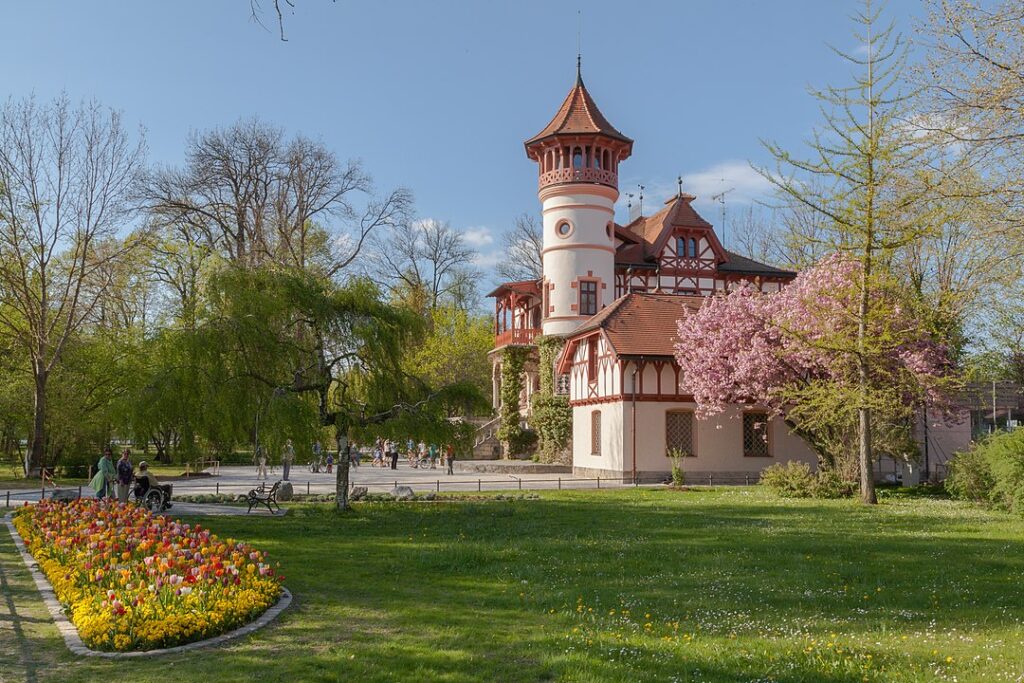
x=131 y=580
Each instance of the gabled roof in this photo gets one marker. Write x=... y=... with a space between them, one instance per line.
x=636 y=324
x=579 y=115
x=748 y=266
x=655 y=230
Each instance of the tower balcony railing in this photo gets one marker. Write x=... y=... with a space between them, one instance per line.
x=523 y=336
x=579 y=175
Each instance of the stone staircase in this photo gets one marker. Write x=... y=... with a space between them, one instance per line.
x=485 y=442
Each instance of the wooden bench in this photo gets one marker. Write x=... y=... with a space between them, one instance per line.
x=261 y=495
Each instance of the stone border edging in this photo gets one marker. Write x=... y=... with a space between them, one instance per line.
x=74 y=641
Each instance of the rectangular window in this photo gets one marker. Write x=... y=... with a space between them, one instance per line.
x=588 y=297
x=595 y=432
x=592 y=359
x=679 y=432
x=755 y=435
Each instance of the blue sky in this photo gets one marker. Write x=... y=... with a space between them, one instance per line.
x=439 y=96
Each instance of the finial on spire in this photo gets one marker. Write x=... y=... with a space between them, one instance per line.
x=679 y=182
x=579 y=47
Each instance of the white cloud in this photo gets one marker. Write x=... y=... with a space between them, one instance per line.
x=488 y=260
x=478 y=237
x=745 y=185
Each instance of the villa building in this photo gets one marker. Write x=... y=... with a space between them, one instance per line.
x=613 y=293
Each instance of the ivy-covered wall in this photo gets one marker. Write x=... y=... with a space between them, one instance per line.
x=510 y=429
x=551 y=414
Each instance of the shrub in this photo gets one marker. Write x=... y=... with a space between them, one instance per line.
x=792 y=480
x=830 y=484
x=991 y=472
x=678 y=476
x=970 y=476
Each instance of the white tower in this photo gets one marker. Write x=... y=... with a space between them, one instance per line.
x=578 y=156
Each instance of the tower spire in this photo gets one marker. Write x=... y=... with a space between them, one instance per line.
x=579 y=69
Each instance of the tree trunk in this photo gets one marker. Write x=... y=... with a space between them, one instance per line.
x=37 y=452
x=867 y=475
x=341 y=486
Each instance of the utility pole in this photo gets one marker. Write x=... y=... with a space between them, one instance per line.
x=993 y=406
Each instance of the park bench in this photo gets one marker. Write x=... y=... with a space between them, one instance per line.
x=261 y=495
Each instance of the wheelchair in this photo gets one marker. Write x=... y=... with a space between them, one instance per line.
x=153 y=498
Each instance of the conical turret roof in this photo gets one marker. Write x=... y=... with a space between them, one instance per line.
x=579 y=115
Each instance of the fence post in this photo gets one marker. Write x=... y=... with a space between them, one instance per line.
x=559 y=483
x=439 y=486
x=307 y=487
x=520 y=480
x=479 y=486
x=8 y=504
x=79 y=491
x=711 y=480
x=599 y=481
x=746 y=479
x=218 y=488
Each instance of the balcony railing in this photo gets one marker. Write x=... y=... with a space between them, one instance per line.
x=578 y=175
x=515 y=336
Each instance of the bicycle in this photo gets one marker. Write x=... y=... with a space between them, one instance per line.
x=317 y=464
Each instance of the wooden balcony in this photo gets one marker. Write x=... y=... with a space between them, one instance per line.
x=515 y=337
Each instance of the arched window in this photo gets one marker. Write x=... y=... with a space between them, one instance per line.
x=680 y=247
x=577 y=157
x=693 y=247
x=597 y=158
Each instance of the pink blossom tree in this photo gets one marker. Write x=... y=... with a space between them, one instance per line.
x=797 y=353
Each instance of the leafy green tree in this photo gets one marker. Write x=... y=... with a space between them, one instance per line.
x=855 y=178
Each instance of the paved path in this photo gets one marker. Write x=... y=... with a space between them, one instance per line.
x=240 y=479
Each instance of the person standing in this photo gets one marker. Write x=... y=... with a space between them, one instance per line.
x=393 y=446
x=105 y=474
x=287 y=458
x=125 y=472
x=449 y=458
x=330 y=463
x=433 y=456
x=261 y=463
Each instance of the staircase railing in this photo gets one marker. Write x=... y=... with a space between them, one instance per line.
x=486 y=431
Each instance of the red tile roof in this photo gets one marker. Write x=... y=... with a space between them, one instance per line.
x=579 y=115
x=527 y=287
x=640 y=324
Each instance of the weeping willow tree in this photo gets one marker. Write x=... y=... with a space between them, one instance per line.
x=306 y=354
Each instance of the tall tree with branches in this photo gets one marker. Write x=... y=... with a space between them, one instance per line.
x=854 y=179
x=65 y=178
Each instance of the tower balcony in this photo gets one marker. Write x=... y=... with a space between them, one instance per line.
x=579 y=175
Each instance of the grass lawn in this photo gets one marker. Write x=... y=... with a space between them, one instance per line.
x=623 y=585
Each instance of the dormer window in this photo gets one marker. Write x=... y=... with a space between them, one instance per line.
x=680 y=247
x=693 y=247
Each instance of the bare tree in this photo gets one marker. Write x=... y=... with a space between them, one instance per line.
x=279 y=6
x=258 y=198
x=524 y=248
x=427 y=262
x=65 y=178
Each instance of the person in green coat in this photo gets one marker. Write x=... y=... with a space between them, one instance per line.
x=103 y=482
